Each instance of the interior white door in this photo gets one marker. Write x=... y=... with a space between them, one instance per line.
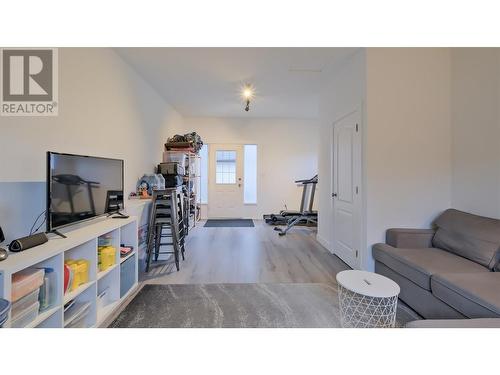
x=225 y=182
x=346 y=193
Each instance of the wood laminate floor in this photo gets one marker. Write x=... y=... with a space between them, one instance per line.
x=249 y=255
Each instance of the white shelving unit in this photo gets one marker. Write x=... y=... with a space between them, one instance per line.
x=80 y=243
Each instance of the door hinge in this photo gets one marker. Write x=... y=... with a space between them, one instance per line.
x=356 y=253
x=357 y=127
x=357 y=190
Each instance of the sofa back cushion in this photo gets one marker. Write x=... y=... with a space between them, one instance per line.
x=476 y=238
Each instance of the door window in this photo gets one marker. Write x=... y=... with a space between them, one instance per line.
x=225 y=167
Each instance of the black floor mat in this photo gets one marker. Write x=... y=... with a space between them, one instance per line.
x=229 y=223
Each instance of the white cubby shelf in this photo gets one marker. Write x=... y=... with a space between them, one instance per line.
x=81 y=243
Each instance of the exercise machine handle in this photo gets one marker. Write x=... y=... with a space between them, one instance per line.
x=313 y=180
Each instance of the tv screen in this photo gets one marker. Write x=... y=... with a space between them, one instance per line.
x=81 y=188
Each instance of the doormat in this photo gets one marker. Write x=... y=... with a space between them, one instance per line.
x=229 y=223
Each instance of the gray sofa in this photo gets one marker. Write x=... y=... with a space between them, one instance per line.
x=455 y=323
x=448 y=272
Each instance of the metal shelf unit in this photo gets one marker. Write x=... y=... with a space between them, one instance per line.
x=192 y=183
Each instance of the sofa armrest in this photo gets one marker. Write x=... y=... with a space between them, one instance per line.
x=496 y=266
x=410 y=238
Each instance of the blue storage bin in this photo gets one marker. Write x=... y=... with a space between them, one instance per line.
x=127 y=275
x=4 y=311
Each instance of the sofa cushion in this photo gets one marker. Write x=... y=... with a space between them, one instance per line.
x=419 y=265
x=476 y=295
x=476 y=238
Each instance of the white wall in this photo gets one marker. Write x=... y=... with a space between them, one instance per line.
x=408 y=147
x=475 y=94
x=105 y=109
x=287 y=151
x=344 y=90
x=431 y=122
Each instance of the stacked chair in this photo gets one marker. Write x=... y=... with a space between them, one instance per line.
x=167 y=225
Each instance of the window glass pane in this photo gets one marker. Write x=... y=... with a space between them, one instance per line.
x=226 y=156
x=204 y=174
x=225 y=172
x=250 y=174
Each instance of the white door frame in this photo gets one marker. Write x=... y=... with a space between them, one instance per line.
x=359 y=182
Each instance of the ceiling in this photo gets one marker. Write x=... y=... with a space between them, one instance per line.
x=208 y=81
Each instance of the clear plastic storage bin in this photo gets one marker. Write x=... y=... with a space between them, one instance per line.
x=26 y=317
x=24 y=303
x=75 y=316
x=103 y=298
x=175 y=157
x=26 y=281
x=48 y=291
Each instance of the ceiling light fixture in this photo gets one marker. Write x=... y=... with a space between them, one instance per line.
x=247 y=94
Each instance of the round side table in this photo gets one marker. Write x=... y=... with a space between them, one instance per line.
x=367 y=300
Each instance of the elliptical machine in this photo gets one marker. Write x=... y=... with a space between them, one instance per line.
x=305 y=216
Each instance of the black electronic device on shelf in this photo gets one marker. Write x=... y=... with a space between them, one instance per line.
x=114 y=203
x=25 y=243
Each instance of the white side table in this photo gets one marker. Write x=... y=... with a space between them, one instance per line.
x=367 y=300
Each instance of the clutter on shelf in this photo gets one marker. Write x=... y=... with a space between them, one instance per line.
x=175 y=166
x=188 y=142
x=149 y=182
x=125 y=250
x=182 y=168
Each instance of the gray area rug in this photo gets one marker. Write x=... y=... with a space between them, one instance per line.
x=229 y=223
x=232 y=306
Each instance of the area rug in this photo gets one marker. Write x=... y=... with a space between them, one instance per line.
x=232 y=306
x=229 y=223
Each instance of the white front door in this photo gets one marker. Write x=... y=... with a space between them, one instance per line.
x=346 y=193
x=225 y=181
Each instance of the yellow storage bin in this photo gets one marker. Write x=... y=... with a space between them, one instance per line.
x=106 y=257
x=80 y=270
x=83 y=268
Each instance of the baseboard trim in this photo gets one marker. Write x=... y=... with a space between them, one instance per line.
x=324 y=242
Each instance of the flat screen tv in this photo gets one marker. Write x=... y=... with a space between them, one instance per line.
x=81 y=188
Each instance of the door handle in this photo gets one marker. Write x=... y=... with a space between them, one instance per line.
x=334 y=195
